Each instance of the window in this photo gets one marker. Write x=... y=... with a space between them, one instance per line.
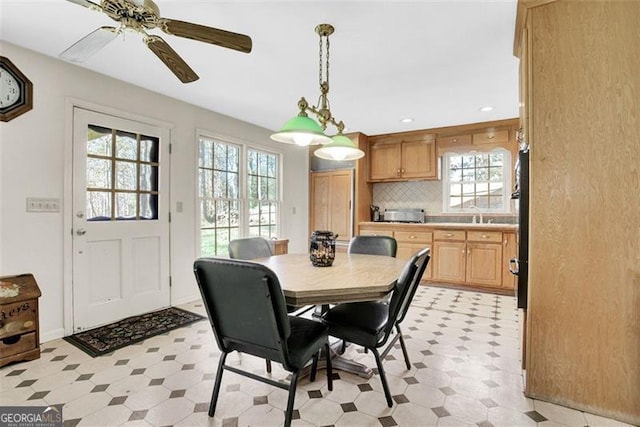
x=262 y=186
x=477 y=180
x=122 y=175
x=239 y=192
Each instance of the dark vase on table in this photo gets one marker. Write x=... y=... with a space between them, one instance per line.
x=322 y=248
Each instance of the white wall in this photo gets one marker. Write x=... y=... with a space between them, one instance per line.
x=32 y=164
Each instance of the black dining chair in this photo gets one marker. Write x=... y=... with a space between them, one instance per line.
x=247 y=312
x=248 y=248
x=370 y=324
x=373 y=245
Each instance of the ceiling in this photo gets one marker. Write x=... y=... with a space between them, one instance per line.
x=437 y=62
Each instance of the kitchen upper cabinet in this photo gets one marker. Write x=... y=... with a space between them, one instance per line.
x=402 y=157
x=331 y=201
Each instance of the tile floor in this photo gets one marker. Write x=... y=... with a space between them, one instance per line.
x=464 y=349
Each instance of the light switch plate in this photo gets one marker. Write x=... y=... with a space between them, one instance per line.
x=36 y=204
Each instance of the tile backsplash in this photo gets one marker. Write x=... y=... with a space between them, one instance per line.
x=413 y=194
x=426 y=195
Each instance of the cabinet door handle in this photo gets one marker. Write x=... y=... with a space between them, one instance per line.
x=398 y=172
x=485 y=236
x=412 y=237
x=448 y=235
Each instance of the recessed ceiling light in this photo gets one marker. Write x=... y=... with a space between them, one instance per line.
x=485 y=109
x=407 y=120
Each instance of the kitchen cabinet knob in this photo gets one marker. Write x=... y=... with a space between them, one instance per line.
x=484 y=236
x=412 y=237
x=490 y=136
x=448 y=235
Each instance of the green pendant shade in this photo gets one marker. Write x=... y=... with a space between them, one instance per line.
x=340 y=148
x=301 y=130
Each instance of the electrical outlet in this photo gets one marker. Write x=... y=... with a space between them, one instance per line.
x=36 y=204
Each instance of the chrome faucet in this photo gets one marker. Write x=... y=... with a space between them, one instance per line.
x=479 y=210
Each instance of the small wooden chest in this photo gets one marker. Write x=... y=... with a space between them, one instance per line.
x=19 y=327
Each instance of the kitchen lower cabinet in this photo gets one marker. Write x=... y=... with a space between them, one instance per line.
x=484 y=258
x=473 y=257
x=484 y=264
x=449 y=261
x=410 y=242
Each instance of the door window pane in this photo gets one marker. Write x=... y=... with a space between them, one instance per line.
x=98 y=205
x=126 y=176
x=126 y=145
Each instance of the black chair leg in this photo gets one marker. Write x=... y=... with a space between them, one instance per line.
x=292 y=397
x=383 y=377
x=216 y=387
x=314 y=366
x=404 y=348
x=327 y=349
x=268 y=365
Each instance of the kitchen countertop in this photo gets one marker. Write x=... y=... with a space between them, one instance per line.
x=443 y=225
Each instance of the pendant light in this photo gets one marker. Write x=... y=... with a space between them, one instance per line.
x=303 y=130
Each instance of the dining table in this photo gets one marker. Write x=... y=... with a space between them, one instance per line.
x=351 y=278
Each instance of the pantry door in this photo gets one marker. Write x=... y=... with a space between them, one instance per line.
x=120 y=218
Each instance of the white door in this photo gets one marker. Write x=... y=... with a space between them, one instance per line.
x=120 y=218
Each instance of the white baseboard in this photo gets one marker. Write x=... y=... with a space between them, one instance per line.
x=185 y=300
x=51 y=335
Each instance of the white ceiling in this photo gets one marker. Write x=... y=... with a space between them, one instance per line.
x=437 y=62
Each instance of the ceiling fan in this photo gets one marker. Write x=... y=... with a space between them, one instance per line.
x=142 y=15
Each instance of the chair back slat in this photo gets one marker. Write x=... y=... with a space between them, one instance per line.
x=373 y=245
x=245 y=304
x=249 y=248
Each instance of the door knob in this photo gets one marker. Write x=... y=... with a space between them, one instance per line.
x=81 y=231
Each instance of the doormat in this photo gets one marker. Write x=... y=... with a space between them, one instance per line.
x=111 y=337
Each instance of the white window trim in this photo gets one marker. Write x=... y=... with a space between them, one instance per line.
x=507 y=182
x=243 y=196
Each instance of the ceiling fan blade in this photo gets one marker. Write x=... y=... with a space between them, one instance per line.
x=87 y=3
x=171 y=59
x=201 y=33
x=81 y=50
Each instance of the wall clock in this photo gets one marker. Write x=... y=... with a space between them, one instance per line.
x=16 y=91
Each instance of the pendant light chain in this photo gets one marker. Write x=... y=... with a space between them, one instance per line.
x=321 y=52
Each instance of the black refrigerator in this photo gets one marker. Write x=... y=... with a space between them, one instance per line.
x=520 y=266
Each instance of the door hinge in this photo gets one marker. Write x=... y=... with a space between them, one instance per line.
x=170 y=148
x=170 y=281
x=169 y=216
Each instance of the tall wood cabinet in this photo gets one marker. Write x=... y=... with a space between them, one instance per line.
x=580 y=89
x=331 y=202
x=329 y=206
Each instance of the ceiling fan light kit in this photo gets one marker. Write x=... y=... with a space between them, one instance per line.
x=142 y=15
x=302 y=130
